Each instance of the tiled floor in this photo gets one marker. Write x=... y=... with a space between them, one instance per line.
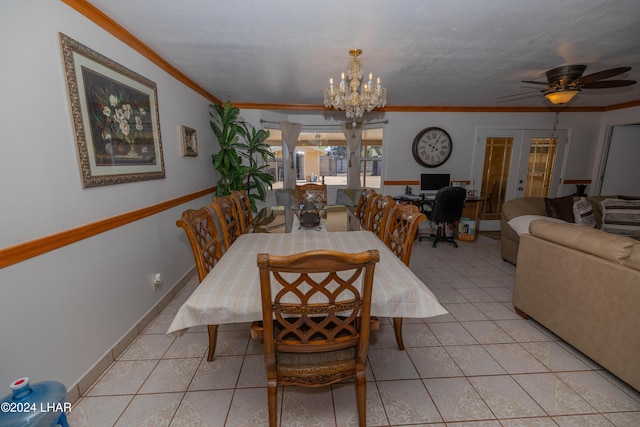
x=481 y=365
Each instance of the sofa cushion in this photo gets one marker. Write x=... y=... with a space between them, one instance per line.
x=621 y=217
x=583 y=213
x=560 y=207
x=634 y=259
x=595 y=242
x=520 y=224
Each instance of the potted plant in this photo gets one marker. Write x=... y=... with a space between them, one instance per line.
x=229 y=128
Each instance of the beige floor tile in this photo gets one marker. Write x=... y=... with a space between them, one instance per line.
x=529 y=422
x=515 y=359
x=477 y=295
x=407 y=402
x=474 y=360
x=232 y=343
x=150 y=410
x=457 y=400
x=599 y=392
x=500 y=294
x=249 y=408
x=554 y=356
x=307 y=407
x=522 y=331
x=346 y=410
x=582 y=421
x=487 y=332
x=622 y=419
x=203 y=408
x=451 y=333
x=189 y=345
x=505 y=397
x=465 y=312
x=391 y=364
x=553 y=395
x=433 y=362
x=221 y=372
x=417 y=335
x=171 y=375
x=147 y=347
x=100 y=411
x=496 y=311
x=123 y=377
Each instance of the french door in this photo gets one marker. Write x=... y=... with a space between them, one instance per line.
x=510 y=163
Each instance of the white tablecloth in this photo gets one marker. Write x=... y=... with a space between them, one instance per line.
x=230 y=293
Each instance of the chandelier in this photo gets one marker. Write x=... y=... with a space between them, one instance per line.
x=352 y=98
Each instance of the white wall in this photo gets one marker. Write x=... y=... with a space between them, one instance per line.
x=62 y=311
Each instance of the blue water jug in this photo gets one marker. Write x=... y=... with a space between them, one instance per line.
x=41 y=404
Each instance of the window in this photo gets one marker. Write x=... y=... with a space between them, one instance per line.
x=324 y=157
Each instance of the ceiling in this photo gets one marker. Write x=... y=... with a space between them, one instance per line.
x=428 y=53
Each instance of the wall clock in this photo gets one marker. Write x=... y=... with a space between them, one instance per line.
x=432 y=147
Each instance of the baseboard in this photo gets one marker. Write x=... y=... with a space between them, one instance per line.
x=79 y=389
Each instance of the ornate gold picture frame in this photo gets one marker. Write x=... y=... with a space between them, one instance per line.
x=115 y=118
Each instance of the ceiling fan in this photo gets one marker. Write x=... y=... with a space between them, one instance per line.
x=564 y=83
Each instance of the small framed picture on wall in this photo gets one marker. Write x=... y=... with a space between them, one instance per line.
x=189 y=141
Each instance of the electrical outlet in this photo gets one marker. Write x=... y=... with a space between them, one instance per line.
x=157 y=280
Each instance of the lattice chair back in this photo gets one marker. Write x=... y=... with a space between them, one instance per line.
x=401 y=230
x=379 y=214
x=243 y=208
x=312 y=192
x=206 y=243
x=364 y=204
x=226 y=210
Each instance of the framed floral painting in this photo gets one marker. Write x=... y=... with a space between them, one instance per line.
x=115 y=118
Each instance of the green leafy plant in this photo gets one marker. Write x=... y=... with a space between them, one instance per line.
x=239 y=139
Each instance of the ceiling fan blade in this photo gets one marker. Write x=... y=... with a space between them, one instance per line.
x=604 y=74
x=604 y=84
x=535 y=83
x=519 y=94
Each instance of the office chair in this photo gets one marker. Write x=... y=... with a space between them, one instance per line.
x=446 y=211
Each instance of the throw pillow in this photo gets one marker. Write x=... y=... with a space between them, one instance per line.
x=560 y=207
x=621 y=217
x=583 y=213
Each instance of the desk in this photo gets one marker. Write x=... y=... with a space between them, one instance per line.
x=230 y=293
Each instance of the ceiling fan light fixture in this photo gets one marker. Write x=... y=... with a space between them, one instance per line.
x=562 y=96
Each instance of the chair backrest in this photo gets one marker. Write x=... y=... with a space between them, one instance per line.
x=204 y=238
x=311 y=191
x=377 y=220
x=401 y=229
x=243 y=208
x=315 y=300
x=364 y=203
x=448 y=204
x=225 y=209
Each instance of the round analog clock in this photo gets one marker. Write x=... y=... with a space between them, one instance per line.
x=432 y=147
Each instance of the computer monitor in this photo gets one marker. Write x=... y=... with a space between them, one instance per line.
x=432 y=182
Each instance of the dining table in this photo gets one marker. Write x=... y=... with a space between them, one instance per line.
x=230 y=293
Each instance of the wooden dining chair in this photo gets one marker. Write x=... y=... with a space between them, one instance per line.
x=376 y=221
x=311 y=191
x=398 y=236
x=243 y=208
x=206 y=245
x=316 y=311
x=364 y=204
x=225 y=209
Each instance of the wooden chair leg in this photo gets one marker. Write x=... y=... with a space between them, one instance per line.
x=361 y=399
x=397 y=328
x=272 y=403
x=213 y=337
